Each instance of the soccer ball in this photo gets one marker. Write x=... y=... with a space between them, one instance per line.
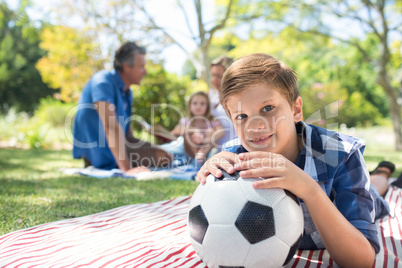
x=231 y=224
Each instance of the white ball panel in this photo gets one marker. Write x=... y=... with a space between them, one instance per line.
x=200 y=192
x=271 y=252
x=289 y=221
x=223 y=243
x=223 y=202
x=227 y=244
x=268 y=197
x=199 y=249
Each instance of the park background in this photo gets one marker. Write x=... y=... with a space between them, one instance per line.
x=348 y=55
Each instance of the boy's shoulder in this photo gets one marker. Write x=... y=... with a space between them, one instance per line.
x=324 y=140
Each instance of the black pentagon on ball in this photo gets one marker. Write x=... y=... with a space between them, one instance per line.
x=198 y=224
x=292 y=250
x=292 y=196
x=228 y=177
x=256 y=222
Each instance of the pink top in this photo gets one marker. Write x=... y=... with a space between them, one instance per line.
x=204 y=124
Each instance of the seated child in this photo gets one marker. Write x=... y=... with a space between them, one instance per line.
x=323 y=168
x=198 y=132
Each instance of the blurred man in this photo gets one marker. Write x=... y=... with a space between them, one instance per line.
x=102 y=127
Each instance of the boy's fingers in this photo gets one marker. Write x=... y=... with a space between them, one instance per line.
x=227 y=166
x=257 y=154
x=202 y=175
x=255 y=163
x=223 y=160
x=260 y=173
x=267 y=183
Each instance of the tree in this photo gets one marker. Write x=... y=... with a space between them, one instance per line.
x=109 y=23
x=320 y=64
x=21 y=85
x=70 y=61
x=379 y=20
x=202 y=37
x=160 y=98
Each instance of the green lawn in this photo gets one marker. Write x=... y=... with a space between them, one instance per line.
x=33 y=190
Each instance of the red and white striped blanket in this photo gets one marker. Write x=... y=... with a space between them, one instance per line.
x=153 y=235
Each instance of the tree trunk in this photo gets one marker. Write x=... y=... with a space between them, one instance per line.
x=205 y=75
x=396 y=121
x=395 y=108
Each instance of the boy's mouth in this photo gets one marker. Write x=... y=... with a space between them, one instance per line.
x=261 y=139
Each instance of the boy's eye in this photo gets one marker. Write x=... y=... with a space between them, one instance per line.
x=241 y=116
x=267 y=108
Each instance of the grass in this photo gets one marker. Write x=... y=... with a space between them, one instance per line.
x=33 y=190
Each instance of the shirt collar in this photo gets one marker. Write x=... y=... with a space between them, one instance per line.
x=118 y=80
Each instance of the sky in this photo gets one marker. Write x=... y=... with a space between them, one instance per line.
x=165 y=14
x=168 y=15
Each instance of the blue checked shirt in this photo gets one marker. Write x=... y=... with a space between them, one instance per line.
x=335 y=161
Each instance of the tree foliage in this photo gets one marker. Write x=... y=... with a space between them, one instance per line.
x=202 y=36
x=370 y=28
x=70 y=61
x=21 y=85
x=328 y=73
x=161 y=98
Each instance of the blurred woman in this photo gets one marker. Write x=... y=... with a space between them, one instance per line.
x=218 y=67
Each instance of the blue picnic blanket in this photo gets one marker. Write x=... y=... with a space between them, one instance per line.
x=185 y=172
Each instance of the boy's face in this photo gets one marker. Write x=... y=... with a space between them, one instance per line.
x=265 y=121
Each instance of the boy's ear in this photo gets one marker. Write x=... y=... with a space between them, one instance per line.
x=298 y=110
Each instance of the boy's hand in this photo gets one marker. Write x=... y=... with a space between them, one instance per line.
x=277 y=172
x=224 y=160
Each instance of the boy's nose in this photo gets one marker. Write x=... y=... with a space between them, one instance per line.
x=257 y=123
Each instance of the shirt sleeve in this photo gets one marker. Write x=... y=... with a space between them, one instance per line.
x=352 y=197
x=102 y=90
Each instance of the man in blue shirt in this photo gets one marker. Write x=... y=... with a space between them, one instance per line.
x=102 y=127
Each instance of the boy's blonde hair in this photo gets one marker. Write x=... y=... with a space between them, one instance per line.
x=256 y=69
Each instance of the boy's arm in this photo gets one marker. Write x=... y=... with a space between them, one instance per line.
x=345 y=244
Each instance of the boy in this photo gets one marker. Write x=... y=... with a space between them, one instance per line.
x=325 y=169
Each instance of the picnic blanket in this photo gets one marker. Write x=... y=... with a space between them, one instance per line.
x=185 y=172
x=154 y=235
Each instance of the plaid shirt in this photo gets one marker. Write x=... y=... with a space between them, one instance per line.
x=336 y=162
